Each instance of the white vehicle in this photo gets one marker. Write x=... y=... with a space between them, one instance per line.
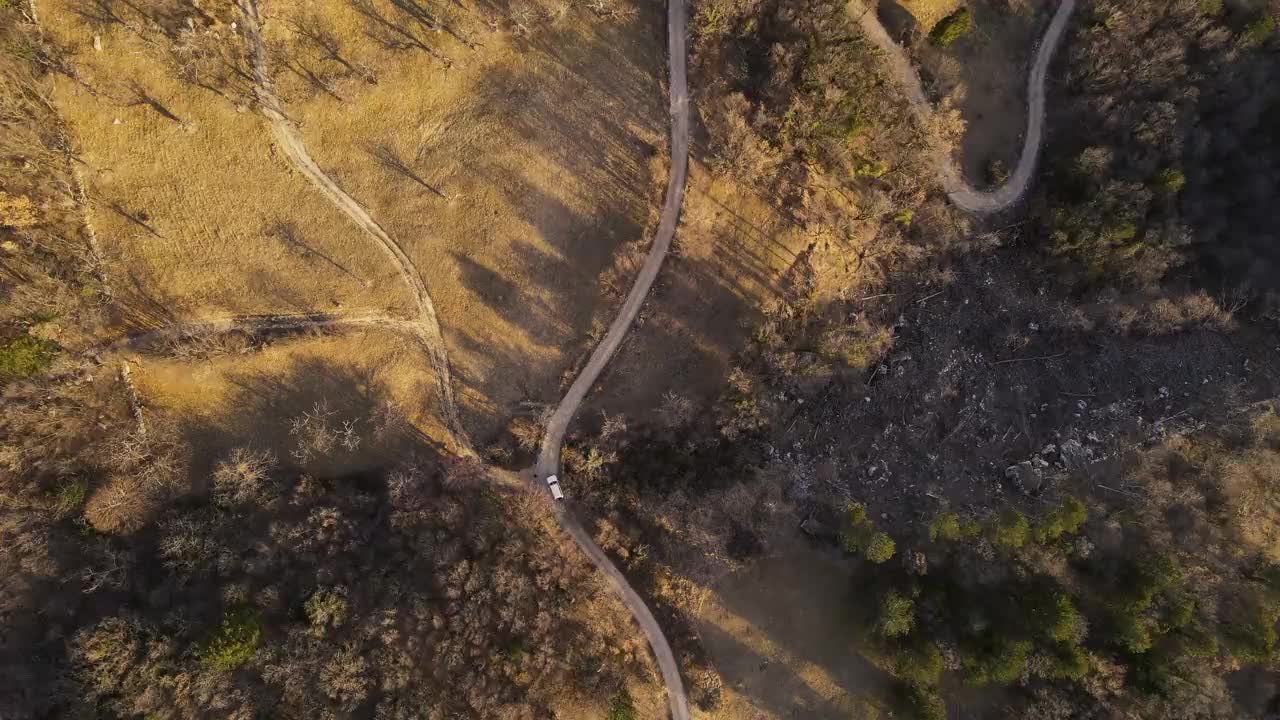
x=554 y=483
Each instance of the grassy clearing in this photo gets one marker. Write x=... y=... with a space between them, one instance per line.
x=730 y=260
x=511 y=165
x=779 y=663
x=197 y=215
x=250 y=400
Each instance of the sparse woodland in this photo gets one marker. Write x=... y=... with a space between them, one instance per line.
x=931 y=352
x=1044 y=445
x=1171 y=183
x=136 y=582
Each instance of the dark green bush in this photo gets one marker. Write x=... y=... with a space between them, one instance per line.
x=896 y=615
x=1010 y=530
x=1260 y=30
x=1065 y=519
x=1000 y=663
x=919 y=664
x=24 y=356
x=235 y=641
x=945 y=527
x=921 y=702
x=1251 y=638
x=952 y=27
x=621 y=707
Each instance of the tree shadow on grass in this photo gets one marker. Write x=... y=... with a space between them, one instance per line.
x=263 y=407
x=75 y=576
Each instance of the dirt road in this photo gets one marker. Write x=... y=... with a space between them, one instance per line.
x=289 y=141
x=549 y=454
x=960 y=192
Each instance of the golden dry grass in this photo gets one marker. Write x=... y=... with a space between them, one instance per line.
x=248 y=399
x=730 y=260
x=510 y=171
x=777 y=661
x=929 y=12
x=185 y=203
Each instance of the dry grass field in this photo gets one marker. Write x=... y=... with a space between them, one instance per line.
x=510 y=165
x=928 y=12
x=780 y=635
x=383 y=385
x=730 y=261
x=197 y=214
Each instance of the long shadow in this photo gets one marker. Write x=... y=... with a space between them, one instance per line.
x=263 y=405
x=142 y=97
x=391 y=33
x=386 y=156
x=137 y=217
x=288 y=233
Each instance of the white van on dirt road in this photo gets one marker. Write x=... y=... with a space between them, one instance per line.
x=554 y=483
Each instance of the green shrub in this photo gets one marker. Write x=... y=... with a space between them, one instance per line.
x=1260 y=31
x=1211 y=7
x=945 y=527
x=896 y=615
x=879 y=548
x=1154 y=673
x=1065 y=519
x=1145 y=580
x=24 y=356
x=1132 y=633
x=1252 y=638
x=856 y=514
x=235 y=641
x=861 y=537
x=919 y=664
x=69 y=495
x=1064 y=624
x=1069 y=663
x=905 y=217
x=921 y=702
x=1179 y=612
x=1001 y=664
x=874 y=169
x=1198 y=641
x=1122 y=231
x=952 y=27
x=516 y=650
x=621 y=707
x=1171 y=180
x=1010 y=530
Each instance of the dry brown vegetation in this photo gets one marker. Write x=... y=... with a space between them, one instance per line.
x=197 y=215
x=132 y=502
x=511 y=165
x=927 y=364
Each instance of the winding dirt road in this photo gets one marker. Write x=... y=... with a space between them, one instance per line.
x=289 y=141
x=959 y=191
x=549 y=454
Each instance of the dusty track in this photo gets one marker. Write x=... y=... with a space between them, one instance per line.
x=289 y=141
x=960 y=192
x=549 y=453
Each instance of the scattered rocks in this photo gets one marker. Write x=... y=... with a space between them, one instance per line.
x=1028 y=475
x=1074 y=455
